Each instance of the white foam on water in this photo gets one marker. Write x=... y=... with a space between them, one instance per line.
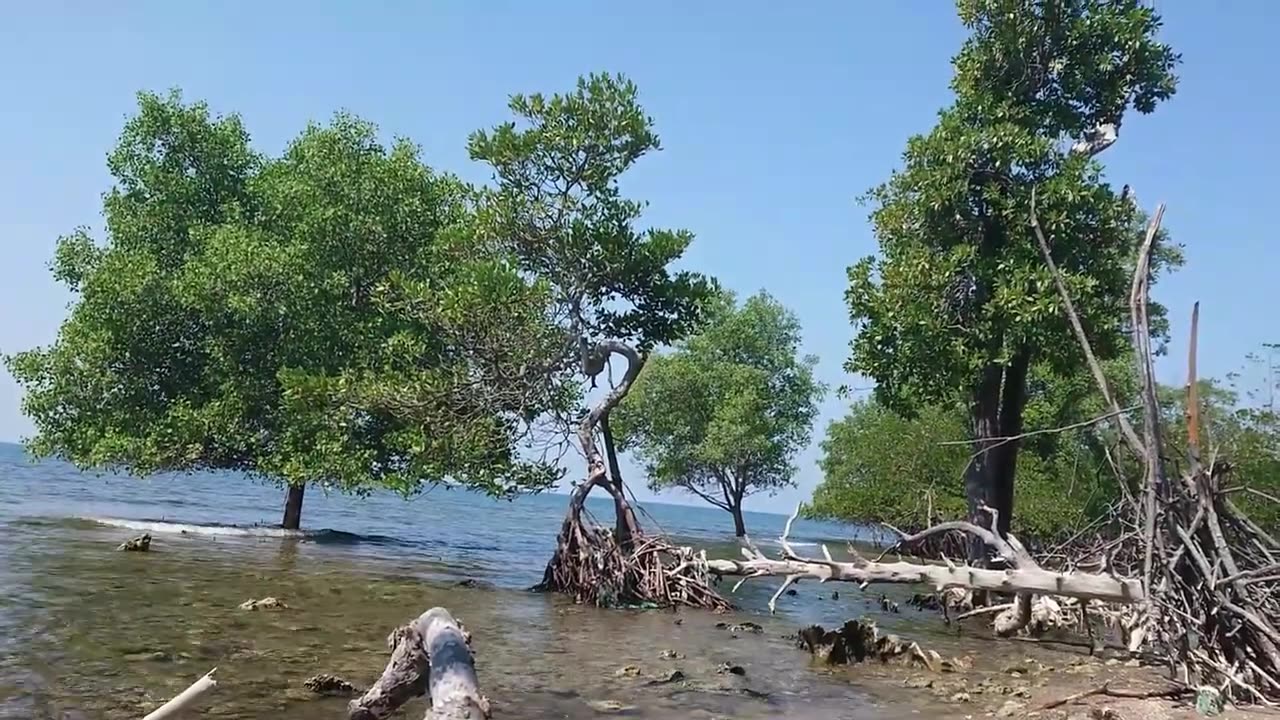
x=162 y=526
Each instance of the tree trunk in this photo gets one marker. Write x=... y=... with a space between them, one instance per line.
x=985 y=417
x=739 y=527
x=621 y=508
x=293 y=508
x=1013 y=399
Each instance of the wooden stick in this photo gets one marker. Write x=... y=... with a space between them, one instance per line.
x=1106 y=689
x=184 y=698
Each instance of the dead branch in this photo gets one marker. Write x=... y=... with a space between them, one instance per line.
x=1105 y=688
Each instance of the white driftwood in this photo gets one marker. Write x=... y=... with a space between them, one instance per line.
x=184 y=698
x=1023 y=576
x=430 y=655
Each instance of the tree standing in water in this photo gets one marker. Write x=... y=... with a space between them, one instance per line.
x=557 y=205
x=723 y=416
x=321 y=318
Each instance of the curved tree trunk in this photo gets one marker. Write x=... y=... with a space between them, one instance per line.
x=623 y=567
x=293 y=507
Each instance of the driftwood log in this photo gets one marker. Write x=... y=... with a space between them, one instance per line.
x=429 y=656
x=1022 y=576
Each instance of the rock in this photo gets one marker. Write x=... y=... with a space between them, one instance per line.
x=142 y=543
x=960 y=697
x=749 y=627
x=1112 y=662
x=331 y=685
x=791 y=593
x=1133 y=662
x=835 y=594
x=153 y=656
x=730 y=669
x=1208 y=701
x=1011 y=708
x=266 y=603
x=467 y=583
x=674 y=676
x=627 y=671
x=678 y=621
x=671 y=655
x=917 y=682
x=609 y=706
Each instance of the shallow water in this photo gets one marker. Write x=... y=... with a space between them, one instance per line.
x=86 y=632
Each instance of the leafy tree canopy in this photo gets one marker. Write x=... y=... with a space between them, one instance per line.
x=959 y=285
x=724 y=415
x=280 y=316
x=557 y=205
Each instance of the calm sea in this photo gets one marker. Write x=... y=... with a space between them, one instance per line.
x=457 y=534
x=86 y=632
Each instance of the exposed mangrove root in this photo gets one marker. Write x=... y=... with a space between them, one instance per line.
x=142 y=543
x=621 y=566
x=184 y=699
x=430 y=656
x=860 y=640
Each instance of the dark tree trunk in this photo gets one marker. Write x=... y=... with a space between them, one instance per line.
x=739 y=527
x=1013 y=399
x=624 y=516
x=293 y=508
x=985 y=417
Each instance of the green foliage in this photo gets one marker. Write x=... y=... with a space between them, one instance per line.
x=880 y=466
x=959 y=285
x=724 y=415
x=557 y=206
x=321 y=317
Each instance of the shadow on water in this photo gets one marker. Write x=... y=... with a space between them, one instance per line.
x=91 y=633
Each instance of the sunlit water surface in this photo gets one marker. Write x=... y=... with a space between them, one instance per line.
x=86 y=632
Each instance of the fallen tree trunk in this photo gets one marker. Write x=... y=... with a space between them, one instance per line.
x=431 y=656
x=1022 y=577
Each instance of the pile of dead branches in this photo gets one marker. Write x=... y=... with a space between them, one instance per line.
x=1212 y=572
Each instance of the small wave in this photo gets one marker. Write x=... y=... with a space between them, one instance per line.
x=166 y=526
x=324 y=536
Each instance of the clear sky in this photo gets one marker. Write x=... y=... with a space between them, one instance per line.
x=774 y=118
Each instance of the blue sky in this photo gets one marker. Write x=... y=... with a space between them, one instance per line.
x=774 y=118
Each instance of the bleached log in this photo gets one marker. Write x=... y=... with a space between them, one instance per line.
x=1085 y=586
x=1022 y=577
x=184 y=698
x=431 y=656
